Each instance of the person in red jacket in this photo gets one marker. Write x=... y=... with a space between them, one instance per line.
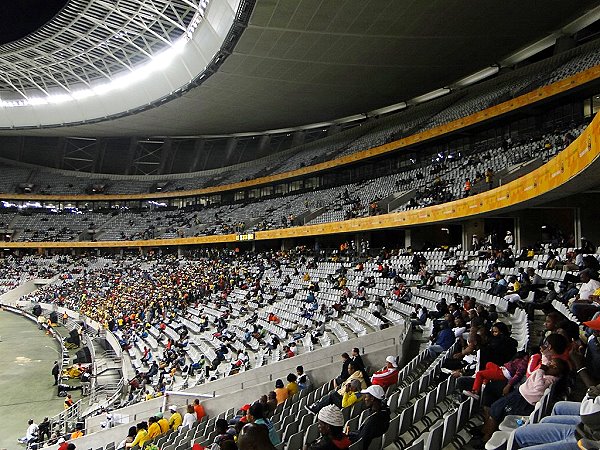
x=387 y=376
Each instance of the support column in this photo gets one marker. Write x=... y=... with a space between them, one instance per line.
x=577 y=226
x=407 y=238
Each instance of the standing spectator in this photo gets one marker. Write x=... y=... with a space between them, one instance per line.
x=55 y=372
x=467 y=188
x=68 y=401
x=509 y=240
x=489 y=177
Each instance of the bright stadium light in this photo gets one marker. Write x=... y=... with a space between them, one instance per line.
x=431 y=95
x=477 y=76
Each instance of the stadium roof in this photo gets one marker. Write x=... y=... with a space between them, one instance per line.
x=288 y=63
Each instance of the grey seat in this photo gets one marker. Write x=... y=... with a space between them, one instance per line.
x=295 y=441
x=312 y=433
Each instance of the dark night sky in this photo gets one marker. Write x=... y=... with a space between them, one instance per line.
x=21 y=17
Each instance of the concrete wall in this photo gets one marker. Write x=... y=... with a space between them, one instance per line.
x=11 y=297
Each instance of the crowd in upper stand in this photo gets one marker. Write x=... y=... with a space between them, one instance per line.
x=416 y=187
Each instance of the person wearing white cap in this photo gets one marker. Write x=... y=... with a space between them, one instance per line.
x=378 y=421
x=387 y=376
x=331 y=423
x=175 y=420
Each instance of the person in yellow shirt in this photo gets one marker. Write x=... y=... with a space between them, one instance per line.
x=162 y=423
x=175 y=420
x=292 y=386
x=153 y=428
x=352 y=393
x=141 y=437
x=281 y=392
x=78 y=431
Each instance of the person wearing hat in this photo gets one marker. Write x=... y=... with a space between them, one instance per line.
x=162 y=423
x=387 y=376
x=331 y=423
x=175 y=420
x=378 y=421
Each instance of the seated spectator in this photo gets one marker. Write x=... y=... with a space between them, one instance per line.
x=522 y=401
x=331 y=423
x=388 y=375
x=513 y=290
x=581 y=305
x=189 y=418
x=344 y=372
x=443 y=341
x=256 y=416
x=141 y=436
x=153 y=428
x=222 y=427
x=132 y=432
x=254 y=437
x=271 y=402
x=419 y=317
x=199 y=410
x=175 y=420
x=342 y=398
x=303 y=379
x=513 y=371
x=281 y=392
x=292 y=385
x=354 y=374
x=377 y=423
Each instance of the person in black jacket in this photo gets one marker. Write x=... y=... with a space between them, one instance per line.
x=55 y=372
x=357 y=361
x=344 y=373
x=377 y=423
